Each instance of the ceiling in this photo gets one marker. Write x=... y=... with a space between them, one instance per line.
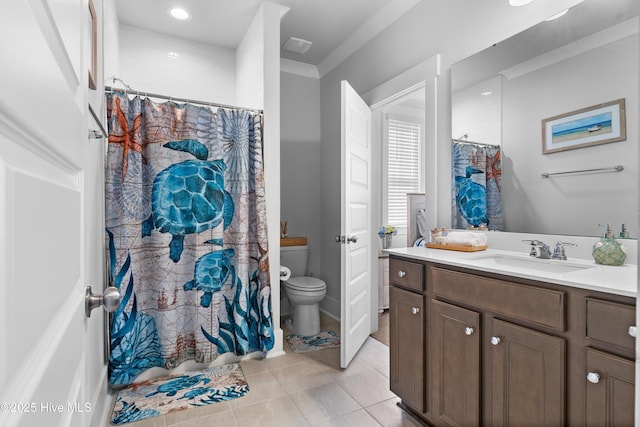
x=335 y=27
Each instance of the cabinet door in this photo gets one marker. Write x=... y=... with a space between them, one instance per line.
x=528 y=377
x=455 y=348
x=407 y=357
x=610 y=390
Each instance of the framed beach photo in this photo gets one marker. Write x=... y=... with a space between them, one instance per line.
x=598 y=124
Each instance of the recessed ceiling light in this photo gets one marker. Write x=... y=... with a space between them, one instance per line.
x=486 y=93
x=179 y=13
x=519 y=2
x=557 y=15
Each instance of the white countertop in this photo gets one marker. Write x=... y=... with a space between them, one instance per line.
x=620 y=280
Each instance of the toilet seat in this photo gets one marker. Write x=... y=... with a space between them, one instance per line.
x=306 y=283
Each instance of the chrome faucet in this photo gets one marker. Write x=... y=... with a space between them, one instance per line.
x=558 y=252
x=539 y=249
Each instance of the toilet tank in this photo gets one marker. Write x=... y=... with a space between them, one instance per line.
x=295 y=258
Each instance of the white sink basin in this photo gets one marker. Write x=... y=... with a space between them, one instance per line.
x=531 y=264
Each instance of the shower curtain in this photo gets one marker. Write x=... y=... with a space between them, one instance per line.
x=186 y=234
x=476 y=184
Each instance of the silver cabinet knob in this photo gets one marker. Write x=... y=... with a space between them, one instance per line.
x=109 y=300
x=632 y=331
x=593 y=377
x=401 y=273
x=468 y=330
x=495 y=340
x=415 y=310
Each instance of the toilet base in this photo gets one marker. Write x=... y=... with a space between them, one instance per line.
x=306 y=320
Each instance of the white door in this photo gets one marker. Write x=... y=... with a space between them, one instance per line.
x=356 y=278
x=52 y=369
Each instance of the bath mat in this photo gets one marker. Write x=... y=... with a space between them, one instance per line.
x=325 y=339
x=173 y=393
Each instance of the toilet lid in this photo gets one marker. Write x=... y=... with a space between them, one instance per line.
x=306 y=283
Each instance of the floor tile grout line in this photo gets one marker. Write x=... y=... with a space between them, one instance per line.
x=326 y=367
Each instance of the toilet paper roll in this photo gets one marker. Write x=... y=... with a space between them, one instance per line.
x=285 y=273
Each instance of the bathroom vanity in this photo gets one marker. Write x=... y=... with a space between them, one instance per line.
x=496 y=338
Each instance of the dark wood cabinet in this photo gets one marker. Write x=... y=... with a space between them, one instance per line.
x=455 y=349
x=611 y=324
x=527 y=377
x=527 y=380
x=609 y=371
x=472 y=348
x=406 y=339
x=610 y=390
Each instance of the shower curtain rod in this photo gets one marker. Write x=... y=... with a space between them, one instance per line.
x=173 y=98
x=462 y=141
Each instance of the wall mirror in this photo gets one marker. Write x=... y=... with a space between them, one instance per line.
x=503 y=95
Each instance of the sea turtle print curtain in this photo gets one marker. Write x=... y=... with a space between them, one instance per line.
x=476 y=186
x=186 y=234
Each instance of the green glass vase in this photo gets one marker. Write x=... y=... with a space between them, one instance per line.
x=608 y=251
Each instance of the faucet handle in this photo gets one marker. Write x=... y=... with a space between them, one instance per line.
x=534 y=243
x=558 y=252
x=539 y=249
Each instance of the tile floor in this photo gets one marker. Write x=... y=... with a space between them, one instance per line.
x=305 y=389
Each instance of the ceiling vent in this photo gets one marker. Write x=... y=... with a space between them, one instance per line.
x=296 y=45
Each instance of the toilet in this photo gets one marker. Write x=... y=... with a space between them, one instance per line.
x=304 y=292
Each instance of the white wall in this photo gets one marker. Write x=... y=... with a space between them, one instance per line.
x=552 y=204
x=301 y=172
x=111 y=42
x=272 y=15
x=454 y=30
x=199 y=71
x=249 y=59
x=478 y=116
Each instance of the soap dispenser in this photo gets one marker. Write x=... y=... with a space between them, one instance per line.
x=624 y=233
x=608 y=251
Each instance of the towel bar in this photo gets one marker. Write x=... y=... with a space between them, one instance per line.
x=618 y=168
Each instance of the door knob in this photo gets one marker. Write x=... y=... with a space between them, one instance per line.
x=468 y=330
x=109 y=300
x=352 y=239
x=415 y=310
x=495 y=340
x=593 y=377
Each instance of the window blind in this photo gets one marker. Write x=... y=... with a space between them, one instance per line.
x=403 y=168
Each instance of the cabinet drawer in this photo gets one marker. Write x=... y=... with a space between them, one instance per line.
x=540 y=306
x=406 y=273
x=609 y=322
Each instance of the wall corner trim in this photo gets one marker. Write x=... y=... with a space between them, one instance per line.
x=299 y=68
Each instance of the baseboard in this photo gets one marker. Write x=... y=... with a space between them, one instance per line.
x=278 y=347
x=331 y=307
x=337 y=319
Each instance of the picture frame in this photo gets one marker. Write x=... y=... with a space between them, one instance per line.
x=93 y=46
x=593 y=125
